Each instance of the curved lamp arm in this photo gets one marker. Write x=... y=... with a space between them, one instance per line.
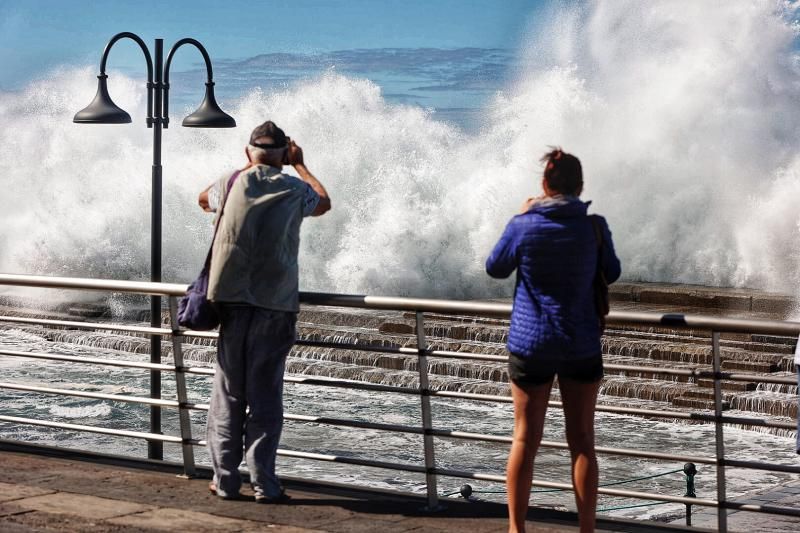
x=209 y=72
x=150 y=86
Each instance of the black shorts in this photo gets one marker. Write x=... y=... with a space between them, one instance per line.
x=532 y=371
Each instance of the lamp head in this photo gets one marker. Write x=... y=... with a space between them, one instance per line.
x=102 y=110
x=209 y=114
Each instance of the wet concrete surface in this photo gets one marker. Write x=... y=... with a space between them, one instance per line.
x=698 y=299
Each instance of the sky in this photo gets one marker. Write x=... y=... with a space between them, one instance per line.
x=39 y=35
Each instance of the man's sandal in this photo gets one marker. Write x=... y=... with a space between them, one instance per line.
x=212 y=488
x=279 y=499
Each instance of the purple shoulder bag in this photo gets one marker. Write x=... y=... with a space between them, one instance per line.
x=195 y=311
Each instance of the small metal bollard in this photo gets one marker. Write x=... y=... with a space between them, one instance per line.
x=690 y=470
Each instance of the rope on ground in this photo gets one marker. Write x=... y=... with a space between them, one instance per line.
x=630 y=506
x=640 y=478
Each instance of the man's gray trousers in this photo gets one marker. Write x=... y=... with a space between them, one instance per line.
x=251 y=356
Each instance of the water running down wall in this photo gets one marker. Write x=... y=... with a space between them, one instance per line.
x=685 y=115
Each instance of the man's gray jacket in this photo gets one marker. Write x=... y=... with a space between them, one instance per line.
x=254 y=255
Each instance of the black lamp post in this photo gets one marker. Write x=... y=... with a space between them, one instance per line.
x=102 y=110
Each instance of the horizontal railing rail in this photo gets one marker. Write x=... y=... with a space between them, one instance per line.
x=418 y=306
x=92 y=429
x=87 y=394
x=425 y=305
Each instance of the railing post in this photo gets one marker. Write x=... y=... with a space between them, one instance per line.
x=690 y=470
x=180 y=385
x=427 y=420
x=722 y=512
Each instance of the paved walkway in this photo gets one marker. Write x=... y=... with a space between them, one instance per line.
x=46 y=494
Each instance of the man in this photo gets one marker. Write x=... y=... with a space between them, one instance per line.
x=254 y=280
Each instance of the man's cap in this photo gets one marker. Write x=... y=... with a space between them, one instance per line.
x=271 y=136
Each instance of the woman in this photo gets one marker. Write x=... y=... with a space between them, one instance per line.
x=555 y=327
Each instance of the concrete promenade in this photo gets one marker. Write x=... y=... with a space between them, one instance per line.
x=45 y=494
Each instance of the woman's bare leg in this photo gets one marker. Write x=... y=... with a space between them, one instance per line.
x=530 y=406
x=579 y=404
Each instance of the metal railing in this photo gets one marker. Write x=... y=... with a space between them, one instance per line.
x=419 y=307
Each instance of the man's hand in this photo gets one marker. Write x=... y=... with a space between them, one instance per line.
x=295 y=154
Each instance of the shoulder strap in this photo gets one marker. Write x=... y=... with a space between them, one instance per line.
x=600 y=284
x=598 y=231
x=231 y=180
x=227 y=192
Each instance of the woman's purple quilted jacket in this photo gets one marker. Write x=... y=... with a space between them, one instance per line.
x=553 y=248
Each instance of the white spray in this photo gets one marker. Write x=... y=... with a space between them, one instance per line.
x=685 y=115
